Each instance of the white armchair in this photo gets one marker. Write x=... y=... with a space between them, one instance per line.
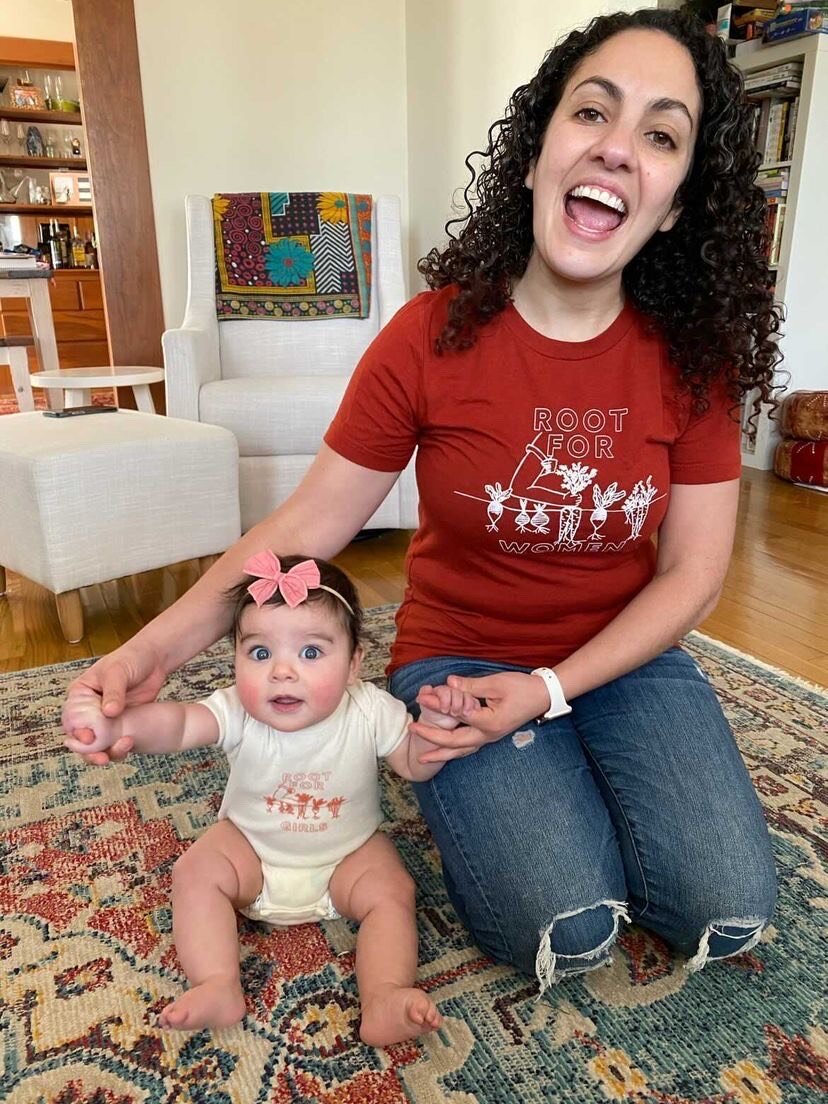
x=277 y=384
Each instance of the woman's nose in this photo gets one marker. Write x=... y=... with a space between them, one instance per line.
x=616 y=147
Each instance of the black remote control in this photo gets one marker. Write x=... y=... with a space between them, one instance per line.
x=76 y=411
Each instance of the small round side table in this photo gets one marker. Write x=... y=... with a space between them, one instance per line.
x=74 y=385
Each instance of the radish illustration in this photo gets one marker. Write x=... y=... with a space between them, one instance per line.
x=495 y=509
x=523 y=519
x=603 y=501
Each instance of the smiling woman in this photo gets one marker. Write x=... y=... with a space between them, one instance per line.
x=645 y=108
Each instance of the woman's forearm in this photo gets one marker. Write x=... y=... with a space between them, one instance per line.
x=657 y=618
x=202 y=615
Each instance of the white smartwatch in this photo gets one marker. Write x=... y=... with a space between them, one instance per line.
x=558 y=705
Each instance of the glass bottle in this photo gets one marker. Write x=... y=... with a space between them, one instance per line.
x=78 y=250
x=47 y=93
x=55 y=255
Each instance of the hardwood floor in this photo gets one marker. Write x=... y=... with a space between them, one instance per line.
x=774 y=605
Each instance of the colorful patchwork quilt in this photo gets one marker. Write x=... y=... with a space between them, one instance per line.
x=292 y=255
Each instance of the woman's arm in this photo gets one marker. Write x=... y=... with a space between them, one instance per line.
x=330 y=506
x=694 y=546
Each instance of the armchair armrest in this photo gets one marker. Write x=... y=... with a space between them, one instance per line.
x=191 y=359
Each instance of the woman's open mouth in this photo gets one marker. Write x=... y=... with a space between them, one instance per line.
x=594 y=212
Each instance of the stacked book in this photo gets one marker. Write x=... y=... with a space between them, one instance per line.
x=776 y=80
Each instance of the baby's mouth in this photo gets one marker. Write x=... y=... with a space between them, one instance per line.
x=595 y=209
x=285 y=701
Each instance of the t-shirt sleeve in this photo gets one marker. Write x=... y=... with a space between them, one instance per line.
x=388 y=716
x=229 y=712
x=708 y=450
x=377 y=423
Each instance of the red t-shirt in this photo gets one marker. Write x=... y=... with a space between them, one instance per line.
x=544 y=470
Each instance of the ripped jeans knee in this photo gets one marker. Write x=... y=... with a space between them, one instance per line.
x=725 y=938
x=577 y=941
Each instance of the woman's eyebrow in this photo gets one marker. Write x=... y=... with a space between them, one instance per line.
x=663 y=103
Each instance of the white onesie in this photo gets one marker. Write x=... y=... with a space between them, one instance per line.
x=305 y=799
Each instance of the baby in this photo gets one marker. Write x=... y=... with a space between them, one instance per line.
x=297 y=837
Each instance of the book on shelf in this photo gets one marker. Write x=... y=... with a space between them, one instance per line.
x=774 y=128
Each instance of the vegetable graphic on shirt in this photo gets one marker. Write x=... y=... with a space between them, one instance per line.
x=540 y=519
x=523 y=519
x=637 y=505
x=603 y=501
x=495 y=507
x=575 y=478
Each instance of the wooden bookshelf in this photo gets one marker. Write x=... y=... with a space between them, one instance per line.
x=33 y=115
x=48 y=163
x=43 y=209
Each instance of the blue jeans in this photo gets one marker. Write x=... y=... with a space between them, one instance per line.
x=637 y=805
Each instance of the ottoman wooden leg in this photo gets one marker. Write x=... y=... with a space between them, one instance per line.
x=2 y=579
x=206 y=562
x=70 y=615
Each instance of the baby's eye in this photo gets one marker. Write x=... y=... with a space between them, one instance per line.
x=310 y=651
x=260 y=653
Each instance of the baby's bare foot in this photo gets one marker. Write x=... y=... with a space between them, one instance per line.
x=216 y=1002
x=396 y=1014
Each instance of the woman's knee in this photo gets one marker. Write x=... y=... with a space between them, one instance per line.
x=553 y=947
x=721 y=924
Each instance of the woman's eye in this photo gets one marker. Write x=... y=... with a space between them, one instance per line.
x=310 y=652
x=589 y=114
x=663 y=140
x=260 y=653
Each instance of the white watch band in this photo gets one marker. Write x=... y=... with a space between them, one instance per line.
x=558 y=705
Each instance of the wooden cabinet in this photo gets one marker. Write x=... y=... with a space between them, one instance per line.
x=80 y=326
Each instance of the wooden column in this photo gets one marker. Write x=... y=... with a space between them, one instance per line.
x=106 y=47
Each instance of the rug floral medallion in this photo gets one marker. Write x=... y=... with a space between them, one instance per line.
x=87 y=960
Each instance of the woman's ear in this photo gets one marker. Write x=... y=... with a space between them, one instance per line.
x=529 y=179
x=671 y=219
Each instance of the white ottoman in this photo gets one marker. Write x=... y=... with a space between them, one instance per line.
x=91 y=498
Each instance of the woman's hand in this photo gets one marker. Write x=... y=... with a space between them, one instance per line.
x=131 y=675
x=511 y=699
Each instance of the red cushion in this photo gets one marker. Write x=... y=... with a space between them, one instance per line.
x=802 y=462
x=804 y=415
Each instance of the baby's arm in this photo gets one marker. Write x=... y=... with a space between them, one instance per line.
x=155 y=729
x=405 y=758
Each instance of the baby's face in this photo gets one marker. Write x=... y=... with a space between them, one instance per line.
x=292 y=665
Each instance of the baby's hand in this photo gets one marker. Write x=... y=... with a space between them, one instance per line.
x=92 y=732
x=444 y=707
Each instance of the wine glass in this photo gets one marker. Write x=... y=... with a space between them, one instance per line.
x=20 y=134
x=5 y=136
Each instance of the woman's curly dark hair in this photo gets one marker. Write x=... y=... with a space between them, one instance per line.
x=704 y=285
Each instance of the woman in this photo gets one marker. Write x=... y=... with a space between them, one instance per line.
x=571 y=383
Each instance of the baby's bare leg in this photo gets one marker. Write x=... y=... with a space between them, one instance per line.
x=373 y=887
x=217 y=875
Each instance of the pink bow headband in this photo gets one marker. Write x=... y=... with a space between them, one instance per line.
x=293 y=585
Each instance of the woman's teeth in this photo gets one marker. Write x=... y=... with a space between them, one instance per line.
x=599 y=195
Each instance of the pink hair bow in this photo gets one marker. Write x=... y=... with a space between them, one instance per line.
x=293 y=585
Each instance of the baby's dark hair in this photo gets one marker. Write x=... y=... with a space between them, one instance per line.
x=329 y=576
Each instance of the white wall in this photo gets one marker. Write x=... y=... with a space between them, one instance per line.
x=50 y=19
x=465 y=58
x=271 y=95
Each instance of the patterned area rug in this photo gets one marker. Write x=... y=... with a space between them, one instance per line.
x=86 y=959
